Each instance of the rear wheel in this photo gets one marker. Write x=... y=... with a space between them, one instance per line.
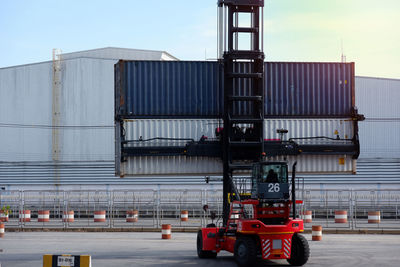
x=203 y=254
x=300 y=250
x=245 y=251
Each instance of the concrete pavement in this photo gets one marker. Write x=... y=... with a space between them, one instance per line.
x=21 y=249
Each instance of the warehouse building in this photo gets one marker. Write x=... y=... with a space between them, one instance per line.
x=57 y=128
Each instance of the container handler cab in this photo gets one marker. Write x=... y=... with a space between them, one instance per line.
x=260 y=226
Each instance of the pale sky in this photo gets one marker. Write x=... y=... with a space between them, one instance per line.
x=295 y=30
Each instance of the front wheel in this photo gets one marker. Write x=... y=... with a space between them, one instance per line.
x=245 y=251
x=203 y=254
x=300 y=250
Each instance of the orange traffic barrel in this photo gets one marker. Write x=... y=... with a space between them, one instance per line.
x=100 y=216
x=43 y=216
x=341 y=216
x=3 y=216
x=316 y=233
x=1 y=229
x=184 y=216
x=24 y=215
x=374 y=216
x=307 y=216
x=132 y=216
x=166 y=231
x=68 y=216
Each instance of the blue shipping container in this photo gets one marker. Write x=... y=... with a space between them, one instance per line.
x=194 y=89
x=168 y=89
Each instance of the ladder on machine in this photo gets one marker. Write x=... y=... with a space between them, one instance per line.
x=243 y=90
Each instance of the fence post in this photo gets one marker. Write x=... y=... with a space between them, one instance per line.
x=110 y=208
x=22 y=207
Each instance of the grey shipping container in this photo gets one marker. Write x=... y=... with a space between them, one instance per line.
x=194 y=89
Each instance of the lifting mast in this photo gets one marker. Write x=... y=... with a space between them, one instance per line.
x=239 y=152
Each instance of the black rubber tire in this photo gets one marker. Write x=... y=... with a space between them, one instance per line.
x=245 y=251
x=203 y=254
x=300 y=251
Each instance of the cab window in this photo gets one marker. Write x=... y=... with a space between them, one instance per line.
x=274 y=174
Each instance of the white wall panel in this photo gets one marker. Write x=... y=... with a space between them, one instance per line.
x=86 y=107
x=378 y=98
x=87 y=101
x=380 y=139
x=25 y=110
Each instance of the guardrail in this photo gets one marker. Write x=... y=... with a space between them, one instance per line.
x=335 y=209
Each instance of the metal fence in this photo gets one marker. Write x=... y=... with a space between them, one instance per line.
x=108 y=209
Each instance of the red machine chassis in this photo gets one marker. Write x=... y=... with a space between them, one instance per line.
x=273 y=241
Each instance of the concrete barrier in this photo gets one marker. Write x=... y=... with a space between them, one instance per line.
x=3 y=216
x=43 y=216
x=132 y=216
x=374 y=217
x=68 y=216
x=341 y=216
x=2 y=230
x=100 y=216
x=184 y=216
x=166 y=231
x=316 y=233
x=24 y=215
x=307 y=216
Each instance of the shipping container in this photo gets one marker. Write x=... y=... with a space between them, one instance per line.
x=309 y=89
x=174 y=89
x=193 y=89
x=195 y=128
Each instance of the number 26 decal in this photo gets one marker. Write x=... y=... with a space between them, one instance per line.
x=273 y=188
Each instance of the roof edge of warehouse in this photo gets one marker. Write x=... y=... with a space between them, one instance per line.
x=379 y=78
x=70 y=56
x=121 y=48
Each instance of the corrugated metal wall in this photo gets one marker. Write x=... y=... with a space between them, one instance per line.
x=86 y=111
x=378 y=100
x=371 y=174
x=86 y=104
x=25 y=111
x=194 y=89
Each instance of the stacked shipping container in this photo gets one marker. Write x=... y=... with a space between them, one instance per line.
x=185 y=100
